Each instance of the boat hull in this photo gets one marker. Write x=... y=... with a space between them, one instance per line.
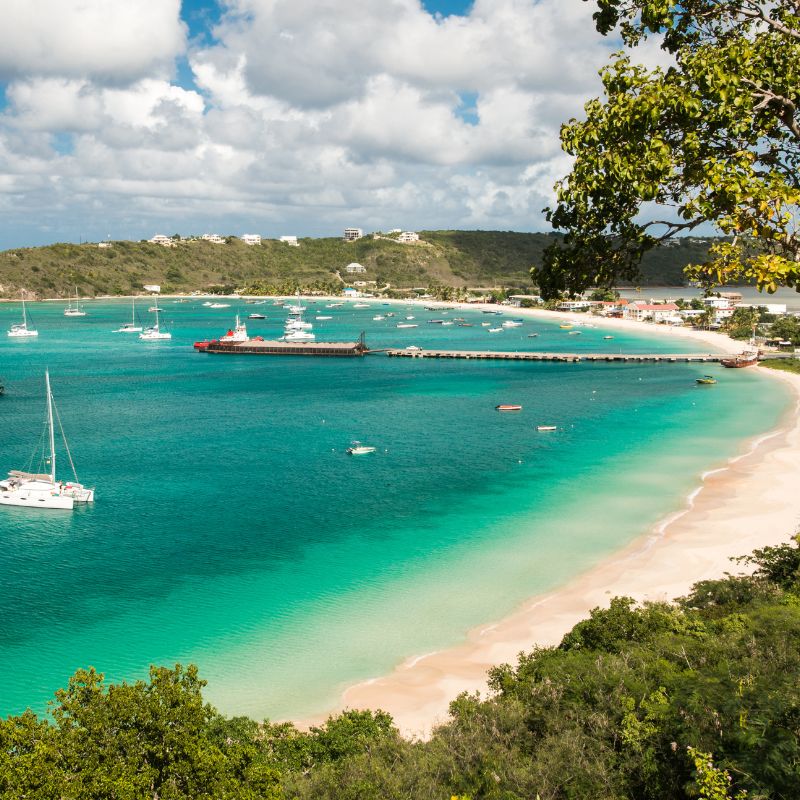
x=37 y=497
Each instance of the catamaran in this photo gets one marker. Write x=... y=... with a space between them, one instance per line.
x=20 y=329
x=132 y=326
x=154 y=332
x=43 y=490
x=76 y=310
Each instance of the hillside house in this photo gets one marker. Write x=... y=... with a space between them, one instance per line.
x=164 y=241
x=251 y=238
x=352 y=234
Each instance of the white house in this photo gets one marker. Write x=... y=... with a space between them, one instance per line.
x=355 y=269
x=164 y=241
x=349 y=291
x=351 y=234
x=290 y=240
x=152 y=287
x=657 y=312
x=772 y=308
x=103 y=244
x=407 y=237
x=573 y=305
x=251 y=238
x=213 y=238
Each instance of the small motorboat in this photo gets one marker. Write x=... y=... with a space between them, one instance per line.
x=608 y=337
x=256 y=316
x=407 y=325
x=494 y=330
x=546 y=427
x=532 y=335
x=566 y=325
x=323 y=316
x=574 y=333
x=378 y=318
x=508 y=407
x=707 y=380
x=358 y=449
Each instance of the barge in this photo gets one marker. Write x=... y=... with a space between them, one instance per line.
x=261 y=347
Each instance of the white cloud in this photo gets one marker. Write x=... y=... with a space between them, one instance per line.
x=106 y=40
x=308 y=115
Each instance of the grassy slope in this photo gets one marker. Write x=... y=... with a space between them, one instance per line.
x=785 y=364
x=455 y=258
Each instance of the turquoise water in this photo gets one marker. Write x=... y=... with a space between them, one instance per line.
x=232 y=530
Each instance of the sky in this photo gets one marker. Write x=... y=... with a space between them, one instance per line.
x=125 y=118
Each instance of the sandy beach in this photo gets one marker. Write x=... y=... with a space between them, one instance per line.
x=747 y=503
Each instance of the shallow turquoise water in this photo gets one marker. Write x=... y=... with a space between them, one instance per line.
x=232 y=530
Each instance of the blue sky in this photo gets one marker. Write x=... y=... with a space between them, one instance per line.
x=291 y=119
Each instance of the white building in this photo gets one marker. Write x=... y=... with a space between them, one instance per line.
x=152 y=287
x=349 y=291
x=351 y=234
x=355 y=269
x=573 y=305
x=103 y=244
x=660 y=312
x=771 y=308
x=251 y=238
x=213 y=238
x=164 y=241
x=290 y=240
x=407 y=237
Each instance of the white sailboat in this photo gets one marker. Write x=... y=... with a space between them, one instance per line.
x=76 y=310
x=130 y=327
x=154 y=332
x=21 y=329
x=43 y=490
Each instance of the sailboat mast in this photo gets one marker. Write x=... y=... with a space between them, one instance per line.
x=50 y=425
x=24 y=317
x=133 y=310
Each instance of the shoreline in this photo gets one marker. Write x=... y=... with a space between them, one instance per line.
x=750 y=501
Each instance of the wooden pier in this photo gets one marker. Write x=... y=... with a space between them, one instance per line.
x=483 y=355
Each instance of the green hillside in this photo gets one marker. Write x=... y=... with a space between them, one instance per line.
x=451 y=258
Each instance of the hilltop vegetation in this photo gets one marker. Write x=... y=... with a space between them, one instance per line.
x=446 y=258
x=698 y=698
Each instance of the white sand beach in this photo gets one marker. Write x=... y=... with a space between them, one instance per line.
x=752 y=501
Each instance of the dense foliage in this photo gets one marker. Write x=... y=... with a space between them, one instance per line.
x=699 y=698
x=714 y=137
x=443 y=259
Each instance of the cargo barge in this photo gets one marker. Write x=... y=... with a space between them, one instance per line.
x=260 y=347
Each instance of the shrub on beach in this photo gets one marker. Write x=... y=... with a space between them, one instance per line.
x=698 y=698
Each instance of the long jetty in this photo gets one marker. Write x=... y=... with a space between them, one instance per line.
x=496 y=355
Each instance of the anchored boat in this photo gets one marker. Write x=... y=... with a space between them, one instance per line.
x=43 y=490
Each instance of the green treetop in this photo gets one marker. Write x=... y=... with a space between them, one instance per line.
x=712 y=138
